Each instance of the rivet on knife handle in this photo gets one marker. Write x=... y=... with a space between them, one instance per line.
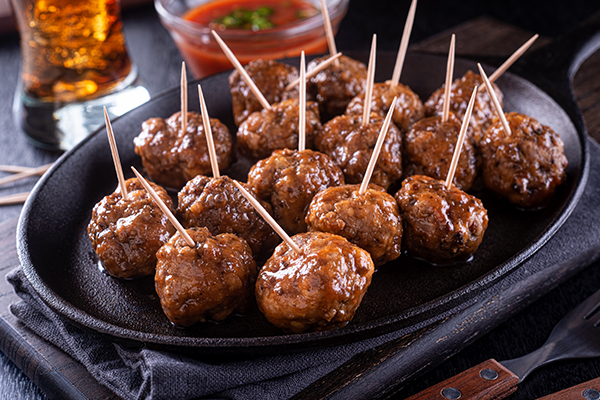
x=488 y=380
x=589 y=390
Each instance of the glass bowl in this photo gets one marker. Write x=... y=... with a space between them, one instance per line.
x=204 y=56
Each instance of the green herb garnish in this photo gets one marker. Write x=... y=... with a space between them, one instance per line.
x=242 y=18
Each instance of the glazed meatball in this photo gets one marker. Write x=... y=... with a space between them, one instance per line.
x=271 y=78
x=268 y=130
x=218 y=205
x=429 y=146
x=526 y=166
x=409 y=107
x=289 y=179
x=460 y=94
x=172 y=157
x=127 y=233
x=319 y=289
x=336 y=85
x=371 y=221
x=441 y=225
x=350 y=145
x=208 y=281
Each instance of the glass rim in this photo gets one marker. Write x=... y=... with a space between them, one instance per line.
x=336 y=11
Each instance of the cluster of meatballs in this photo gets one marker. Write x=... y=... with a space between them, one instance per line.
x=343 y=233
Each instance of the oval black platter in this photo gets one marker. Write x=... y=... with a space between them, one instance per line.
x=61 y=265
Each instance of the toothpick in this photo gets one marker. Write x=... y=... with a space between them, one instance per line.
x=461 y=139
x=328 y=31
x=511 y=60
x=24 y=174
x=229 y=54
x=314 y=71
x=115 y=155
x=19 y=169
x=370 y=80
x=261 y=210
x=302 y=105
x=495 y=101
x=184 y=100
x=190 y=242
x=16 y=198
x=449 y=74
x=404 y=44
x=382 y=133
x=214 y=164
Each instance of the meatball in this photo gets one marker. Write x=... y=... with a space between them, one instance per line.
x=127 y=233
x=460 y=94
x=336 y=85
x=218 y=205
x=350 y=145
x=441 y=225
x=319 y=289
x=526 y=166
x=172 y=157
x=409 y=107
x=209 y=281
x=429 y=146
x=268 y=130
x=271 y=78
x=371 y=221
x=289 y=179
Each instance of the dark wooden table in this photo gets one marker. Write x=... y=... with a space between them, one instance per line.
x=159 y=63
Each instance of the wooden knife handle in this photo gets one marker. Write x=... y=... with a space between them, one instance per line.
x=488 y=380
x=591 y=389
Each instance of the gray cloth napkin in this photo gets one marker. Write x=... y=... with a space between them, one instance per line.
x=150 y=374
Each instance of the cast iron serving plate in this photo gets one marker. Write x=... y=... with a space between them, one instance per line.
x=59 y=261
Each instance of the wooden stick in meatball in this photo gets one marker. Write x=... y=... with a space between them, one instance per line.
x=208 y=133
x=184 y=98
x=328 y=31
x=314 y=71
x=449 y=74
x=302 y=105
x=409 y=107
x=495 y=101
x=115 y=155
x=370 y=80
x=523 y=160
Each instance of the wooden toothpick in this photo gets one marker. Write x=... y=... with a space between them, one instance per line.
x=370 y=81
x=261 y=210
x=188 y=239
x=404 y=44
x=511 y=60
x=229 y=54
x=314 y=71
x=115 y=155
x=24 y=173
x=16 y=198
x=495 y=101
x=461 y=139
x=184 y=99
x=214 y=164
x=449 y=74
x=18 y=169
x=302 y=105
x=382 y=133
x=329 y=31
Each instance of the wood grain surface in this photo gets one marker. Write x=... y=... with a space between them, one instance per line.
x=159 y=63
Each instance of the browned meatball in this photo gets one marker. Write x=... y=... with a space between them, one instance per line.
x=429 y=146
x=409 y=107
x=289 y=179
x=371 y=221
x=271 y=78
x=526 y=166
x=208 y=281
x=336 y=85
x=172 y=157
x=127 y=233
x=268 y=130
x=218 y=205
x=441 y=225
x=350 y=145
x=317 y=290
x=460 y=94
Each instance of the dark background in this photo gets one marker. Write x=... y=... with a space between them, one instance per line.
x=385 y=18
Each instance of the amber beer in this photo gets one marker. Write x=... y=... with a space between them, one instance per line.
x=73 y=50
